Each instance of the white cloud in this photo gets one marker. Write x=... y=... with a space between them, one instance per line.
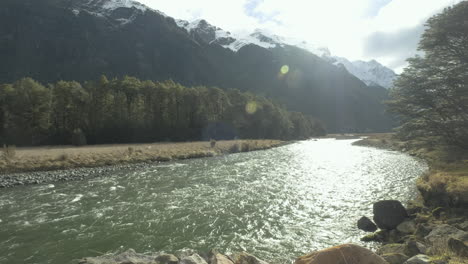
x=343 y=26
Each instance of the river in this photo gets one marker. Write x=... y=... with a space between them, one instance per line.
x=276 y=204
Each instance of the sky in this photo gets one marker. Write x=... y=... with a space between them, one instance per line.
x=385 y=30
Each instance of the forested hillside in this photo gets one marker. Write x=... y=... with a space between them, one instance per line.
x=130 y=110
x=54 y=40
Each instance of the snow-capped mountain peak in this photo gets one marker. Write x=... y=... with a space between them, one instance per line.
x=370 y=72
x=123 y=12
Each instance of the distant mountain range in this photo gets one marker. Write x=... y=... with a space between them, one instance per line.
x=50 y=40
x=370 y=72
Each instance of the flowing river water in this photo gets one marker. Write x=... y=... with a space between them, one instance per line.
x=276 y=204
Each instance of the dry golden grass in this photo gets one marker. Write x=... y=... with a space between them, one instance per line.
x=64 y=157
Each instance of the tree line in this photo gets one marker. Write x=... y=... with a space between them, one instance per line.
x=431 y=95
x=129 y=110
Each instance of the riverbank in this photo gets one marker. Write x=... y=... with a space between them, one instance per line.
x=22 y=166
x=438 y=224
x=446 y=183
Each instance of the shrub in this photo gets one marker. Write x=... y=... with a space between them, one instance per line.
x=9 y=152
x=63 y=157
x=235 y=148
x=212 y=143
x=130 y=150
x=78 y=137
x=245 y=147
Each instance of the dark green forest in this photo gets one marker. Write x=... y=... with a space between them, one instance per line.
x=129 y=110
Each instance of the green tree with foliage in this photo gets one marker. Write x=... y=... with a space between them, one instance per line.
x=431 y=95
x=129 y=110
x=29 y=108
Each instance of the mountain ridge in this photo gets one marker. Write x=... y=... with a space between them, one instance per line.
x=370 y=72
x=51 y=41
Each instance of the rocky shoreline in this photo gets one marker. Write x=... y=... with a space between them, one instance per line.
x=432 y=230
x=79 y=174
x=344 y=254
x=412 y=235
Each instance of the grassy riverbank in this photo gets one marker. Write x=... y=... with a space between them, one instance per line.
x=68 y=157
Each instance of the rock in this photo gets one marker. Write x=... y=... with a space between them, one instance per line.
x=346 y=254
x=422 y=218
x=413 y=208
x=418 y=259
x=127 y=257
x=379 y=236
x=437 y=212
x=167 y=259
x=245 y=258
x=463 y=226
x=455 y=221
x=193 y=259
x=220 y=259
x=414 y=248
x=422 y=230
x=458 y=247
x=407 y=227
x=443 y=232
x=394 y=236
x=388 y=214
x=439 y=261
x=392 y=249
x=395 y=258
x=366 y=224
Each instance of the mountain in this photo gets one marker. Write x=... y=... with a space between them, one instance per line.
x=370 y=72
x=80 y=40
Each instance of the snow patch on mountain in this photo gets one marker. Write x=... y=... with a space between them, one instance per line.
x=103 y=8
x=114 y=4
x=370 y=72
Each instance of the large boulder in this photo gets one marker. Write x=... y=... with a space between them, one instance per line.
x=217 y=258
x=388 y=214
x=344 y=254
x=245 y=258
x=418 y=259
x=365 y=224
x=167 y=259
x=193 y=259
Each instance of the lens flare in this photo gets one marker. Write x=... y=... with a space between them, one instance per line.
x=251 y=107
x=284 y=69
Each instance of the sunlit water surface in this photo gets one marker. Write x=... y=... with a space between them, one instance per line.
x=277 y=204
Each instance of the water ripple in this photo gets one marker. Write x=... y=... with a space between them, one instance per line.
x=277 y=204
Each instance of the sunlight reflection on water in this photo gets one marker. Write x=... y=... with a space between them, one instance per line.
x=277 y=204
